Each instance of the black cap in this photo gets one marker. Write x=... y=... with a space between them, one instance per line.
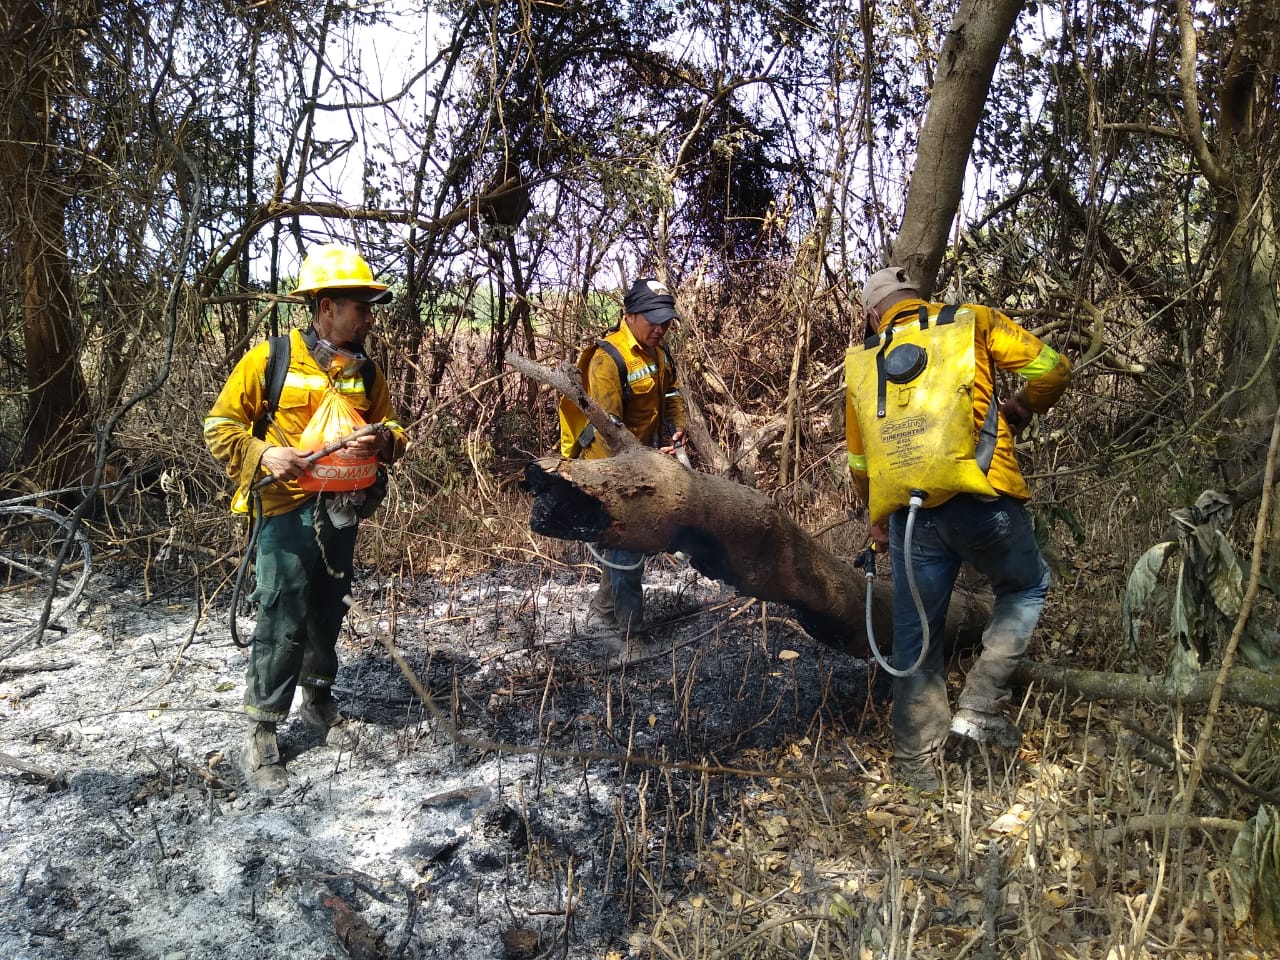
x=652 y=298
x=358 y=294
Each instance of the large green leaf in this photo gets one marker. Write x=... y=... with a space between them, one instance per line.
x=1255 y=874
x=1143 y=582
x=1224 y=577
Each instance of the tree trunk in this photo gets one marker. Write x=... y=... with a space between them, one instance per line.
x=966 y=63
x=1240 y=169
x=643 y=500
x=34 y=222
x=1251 y=316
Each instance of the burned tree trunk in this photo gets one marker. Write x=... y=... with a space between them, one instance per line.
x=642 y=500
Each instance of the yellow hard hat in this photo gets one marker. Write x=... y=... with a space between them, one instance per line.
x=335 y=266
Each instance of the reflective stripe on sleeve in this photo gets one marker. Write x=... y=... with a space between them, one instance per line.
x=1046 y=361
x=212 y=423
x=858 y=462
x=640 y=373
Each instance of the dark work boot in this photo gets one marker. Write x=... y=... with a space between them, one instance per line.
x=260 y=758
x=986 y=728
x=918 y=772
x=320 y=712
x=602 y=599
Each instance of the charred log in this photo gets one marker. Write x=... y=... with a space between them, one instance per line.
x=645 y=501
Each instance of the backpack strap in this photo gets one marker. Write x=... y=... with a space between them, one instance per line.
x=369 y=374
x=669 y=365
x=666 y=356
x=278 y=349
x=621 y=364
x=881 y=399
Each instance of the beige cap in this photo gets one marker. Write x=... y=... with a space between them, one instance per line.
x=884 y=282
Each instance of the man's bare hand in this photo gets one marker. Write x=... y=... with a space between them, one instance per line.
x=1016 y=414
x=879 y=535
x=376 y=444
x=285 y=463
x=677 y=439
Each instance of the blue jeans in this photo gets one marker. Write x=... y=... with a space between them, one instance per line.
x=621 y=592
x=994 y=537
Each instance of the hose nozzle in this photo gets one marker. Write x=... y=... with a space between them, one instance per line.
x=867 y=561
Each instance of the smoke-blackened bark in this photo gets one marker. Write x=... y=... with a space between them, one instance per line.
x=641 y=499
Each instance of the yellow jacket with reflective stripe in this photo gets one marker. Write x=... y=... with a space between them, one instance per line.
x=655 y=390
x=228 y=428
x=1000 y=342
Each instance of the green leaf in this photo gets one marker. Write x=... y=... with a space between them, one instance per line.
x=1226 y=584
x=1143 y=581
x=1254 y=869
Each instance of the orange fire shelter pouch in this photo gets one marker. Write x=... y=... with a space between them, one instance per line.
x=344 y=469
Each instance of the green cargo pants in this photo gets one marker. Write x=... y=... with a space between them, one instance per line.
x=303 y=568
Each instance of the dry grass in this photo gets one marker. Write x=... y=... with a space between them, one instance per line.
x=1059 y=852
x=1064 y=851
x=1027 y=857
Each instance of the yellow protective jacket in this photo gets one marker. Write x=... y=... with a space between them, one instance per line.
x=1000 y=342
x=654 y=395
x=228 y=428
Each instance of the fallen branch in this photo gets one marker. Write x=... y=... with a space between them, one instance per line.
x=642 y=500
x=15 y=669
x=1149 y=823
x=31 y=770
x=1243 y=685
x=566 y=379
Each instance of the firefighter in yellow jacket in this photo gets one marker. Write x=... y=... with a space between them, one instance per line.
x=632 y=376
x=305 y=539
x=970 y=506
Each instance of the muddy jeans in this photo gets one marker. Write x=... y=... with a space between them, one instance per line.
x=621 y=592
x=995 y=537
x=303 y=573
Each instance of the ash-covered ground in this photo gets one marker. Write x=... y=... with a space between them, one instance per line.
x=536 y=806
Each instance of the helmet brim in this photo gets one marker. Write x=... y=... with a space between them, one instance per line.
x=363 y=293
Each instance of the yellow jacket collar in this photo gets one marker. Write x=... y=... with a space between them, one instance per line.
x=904 y=311
x=628 y=341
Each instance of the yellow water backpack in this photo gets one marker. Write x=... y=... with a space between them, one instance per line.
x=576 y=432
x=911 y=387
